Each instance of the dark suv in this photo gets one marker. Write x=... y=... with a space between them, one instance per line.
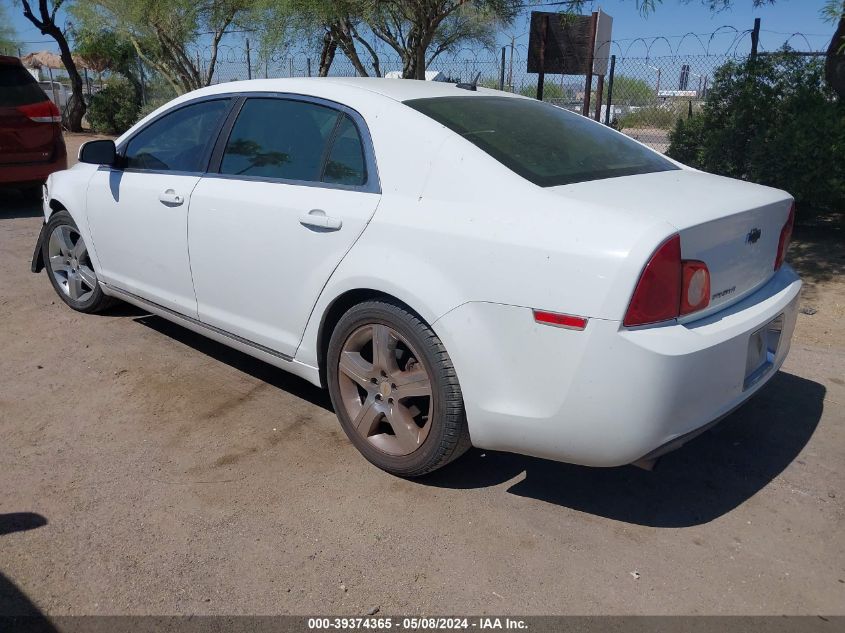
x=31 y=142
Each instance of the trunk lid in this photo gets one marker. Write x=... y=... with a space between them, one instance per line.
x=732 y=226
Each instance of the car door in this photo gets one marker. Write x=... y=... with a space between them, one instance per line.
x=138 y=212
x=295 y=185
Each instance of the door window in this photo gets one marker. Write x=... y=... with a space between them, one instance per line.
x=345 y=164
x=178 y=140
x=280 y=138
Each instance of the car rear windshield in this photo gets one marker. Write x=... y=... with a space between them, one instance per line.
x=543 y=143
x=18 y=87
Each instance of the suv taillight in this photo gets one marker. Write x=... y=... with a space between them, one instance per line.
x=668 y=287
x=785 y=238
x=41 y=112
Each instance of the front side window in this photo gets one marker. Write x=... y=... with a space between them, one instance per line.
x=280 y=138
x=177 y=141
x=544 y=144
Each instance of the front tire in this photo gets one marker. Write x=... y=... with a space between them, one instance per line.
x=395 y=390
x=69 y=266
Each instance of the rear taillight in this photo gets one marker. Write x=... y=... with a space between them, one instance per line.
x=668 y=287
x=42 y=112
x=785 y=238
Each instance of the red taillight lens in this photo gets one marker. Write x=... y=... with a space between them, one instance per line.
x=785 y=238
x=658 y=292
x=695 y=288
x=669 y=287
x=42 y=112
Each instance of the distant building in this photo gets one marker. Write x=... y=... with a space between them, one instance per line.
x=430 y=75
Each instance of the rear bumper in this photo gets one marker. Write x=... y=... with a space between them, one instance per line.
x=607 y=396
x=30 y=173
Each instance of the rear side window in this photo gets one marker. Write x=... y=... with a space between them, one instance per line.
x=345 y=164
x=542 y=143
x=18 y=87
x=178 y=140
x=279 y=138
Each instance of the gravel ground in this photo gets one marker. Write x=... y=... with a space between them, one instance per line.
x=157 y=472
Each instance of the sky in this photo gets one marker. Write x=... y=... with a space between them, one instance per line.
x=671 y=20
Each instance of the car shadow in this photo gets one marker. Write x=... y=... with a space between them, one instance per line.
x=17 y=611
x=242 y=362
x=15 y=205
x=701 y=481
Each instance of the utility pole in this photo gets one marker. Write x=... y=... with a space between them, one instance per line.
x=755 y=38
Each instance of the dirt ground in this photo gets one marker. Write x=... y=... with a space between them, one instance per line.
x=146 y=470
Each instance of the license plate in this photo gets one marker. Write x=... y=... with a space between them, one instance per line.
x=762 y=349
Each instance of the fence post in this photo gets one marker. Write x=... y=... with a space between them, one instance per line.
x=290 y=66
x=610 y=89
x=248 y=61
x=510 y=66
x=308 y=64
x=755 y=38
x=502 y=71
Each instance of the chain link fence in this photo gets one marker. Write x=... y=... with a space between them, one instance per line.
x=643 y=94
x=640 y=96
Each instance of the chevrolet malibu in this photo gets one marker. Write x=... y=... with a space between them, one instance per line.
x=458 y=266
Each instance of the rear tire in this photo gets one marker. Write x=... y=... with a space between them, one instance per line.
x=395 y=390
x=69 y=266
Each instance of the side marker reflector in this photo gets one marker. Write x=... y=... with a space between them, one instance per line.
x=560 y=320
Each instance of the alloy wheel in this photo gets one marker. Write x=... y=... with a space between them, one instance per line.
x=386 y=389
x=70 y=263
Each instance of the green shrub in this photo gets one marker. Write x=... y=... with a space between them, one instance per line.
x=654 y=116
x=772 y=121
x=114 y=108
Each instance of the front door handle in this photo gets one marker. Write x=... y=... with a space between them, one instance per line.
x=169 y=196
x=318 y=219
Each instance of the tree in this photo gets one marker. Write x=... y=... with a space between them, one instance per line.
x=45 y=21
x=420 y=30
x=8 y=36
x=163 y=32
x=103 y=50
x=632 y=91
x=773 y=121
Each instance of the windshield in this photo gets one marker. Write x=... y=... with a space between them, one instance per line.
x=543 y=143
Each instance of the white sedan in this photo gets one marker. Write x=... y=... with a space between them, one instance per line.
x=457 y=266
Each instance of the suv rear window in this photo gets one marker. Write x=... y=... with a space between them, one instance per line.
x=18 y=87
x=542 y=143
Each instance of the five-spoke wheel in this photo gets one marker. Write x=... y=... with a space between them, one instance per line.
x=69 y=266
x=394 y=389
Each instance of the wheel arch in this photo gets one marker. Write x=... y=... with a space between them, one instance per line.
x=335 y=311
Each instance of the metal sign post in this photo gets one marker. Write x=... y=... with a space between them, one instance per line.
x=566 y=44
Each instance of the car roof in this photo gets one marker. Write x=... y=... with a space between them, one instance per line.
x=394 y=89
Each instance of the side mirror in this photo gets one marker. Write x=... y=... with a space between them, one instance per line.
x=99 y=152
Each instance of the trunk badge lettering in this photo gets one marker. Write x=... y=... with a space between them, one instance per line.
x=723 y=293
x=753 y=235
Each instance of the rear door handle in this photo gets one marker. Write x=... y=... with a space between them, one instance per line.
x=318 y=219
x=169 y=196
